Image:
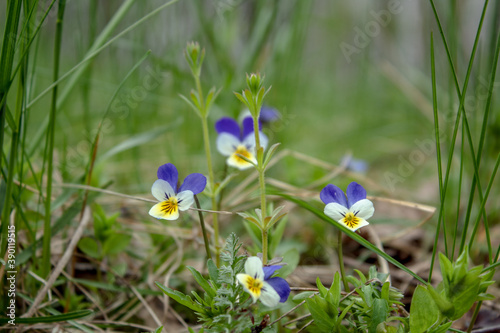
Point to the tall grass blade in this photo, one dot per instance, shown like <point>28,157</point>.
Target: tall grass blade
<point>45,264</point>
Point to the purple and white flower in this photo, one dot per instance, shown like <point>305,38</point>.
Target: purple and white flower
<point>234,141</point>
<point>174,198</point>
<point>259,283</point>
<point>352,211</point>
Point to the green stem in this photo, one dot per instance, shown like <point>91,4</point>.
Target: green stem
<point>262,185</point>
<point>203,229</point>
<point>264,246</point>
<point>50,141</point>
<point>474,316</point>
<point>341,263</point>
<point>206,140</point>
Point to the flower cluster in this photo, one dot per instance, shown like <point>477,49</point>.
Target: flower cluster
<point>352,211</point>
<point>174,198</point>
<point>235,142</point>
<point>259,283</point>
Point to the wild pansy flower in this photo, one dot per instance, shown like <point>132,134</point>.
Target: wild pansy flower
<point>352,211</point>
<point>233,141</point>
<point>267,114</point>
<point>259,283</point>
<point>174,198</point>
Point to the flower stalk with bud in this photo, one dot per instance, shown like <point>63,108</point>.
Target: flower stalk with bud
<point>253,97</point>
<point>201,106</point>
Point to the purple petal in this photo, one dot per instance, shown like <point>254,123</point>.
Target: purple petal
<point>269,270</point>
<point>281,287</point>
<point>168,172</point>
<point>332,193</point>
<point>228,125</point>
<point>355,192</point>
<point>268,114</point>
<point>194,182</point>
<point>248,126</point>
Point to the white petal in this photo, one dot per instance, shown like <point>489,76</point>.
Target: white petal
<point>363,209</point>
<point>268,296</point>
<point>253,267</point>
<point>335,211</point>
<point>243,280</point>
<point>227,143</point>
<point>249,141</point>
<point>185,199</point>
<point>263,140</point>
<point>162,190</point>
<point>158,212</point>
<point>362,223</point>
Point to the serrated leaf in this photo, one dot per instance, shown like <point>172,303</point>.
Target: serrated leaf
<point>180,298</point>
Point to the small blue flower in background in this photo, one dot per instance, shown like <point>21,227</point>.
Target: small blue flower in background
<point>173,198</point>
<point>257,281</point>
<point>354,164</point>
<point>267,114</point>
<point>352,211</point>
<point>233,141</point>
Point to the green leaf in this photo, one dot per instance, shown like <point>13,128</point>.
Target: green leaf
<point>323,321</point>
<point>202,282</point>
<point>291,257</point>
<point>213,272</point>
<point>379,314</point>
<point>322,290</point>
<point>424,312</point>
<point>302,296</point>
<point>116,243</point>
<point>270,154</point>
<point>50,319</point>
<point>193,107</point>
<point>181,298</point>
<point>158,330</point>
<point>441,329</point>
<point>90,247</point>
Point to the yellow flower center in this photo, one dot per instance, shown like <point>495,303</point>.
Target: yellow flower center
<point>351,220</point>
<point>254,285</point>
<point>170,205</point>
<point>242,150</point>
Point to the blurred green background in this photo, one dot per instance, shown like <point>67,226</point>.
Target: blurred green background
<point>349,77</point>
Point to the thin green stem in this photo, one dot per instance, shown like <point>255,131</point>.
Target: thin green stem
<point>474,316</point>
<point>203,229</point>
<point>211,181</point>
<point>50,142</point>
<point>262,185</point>
<point>265,242</point>
<point>341,262</point>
